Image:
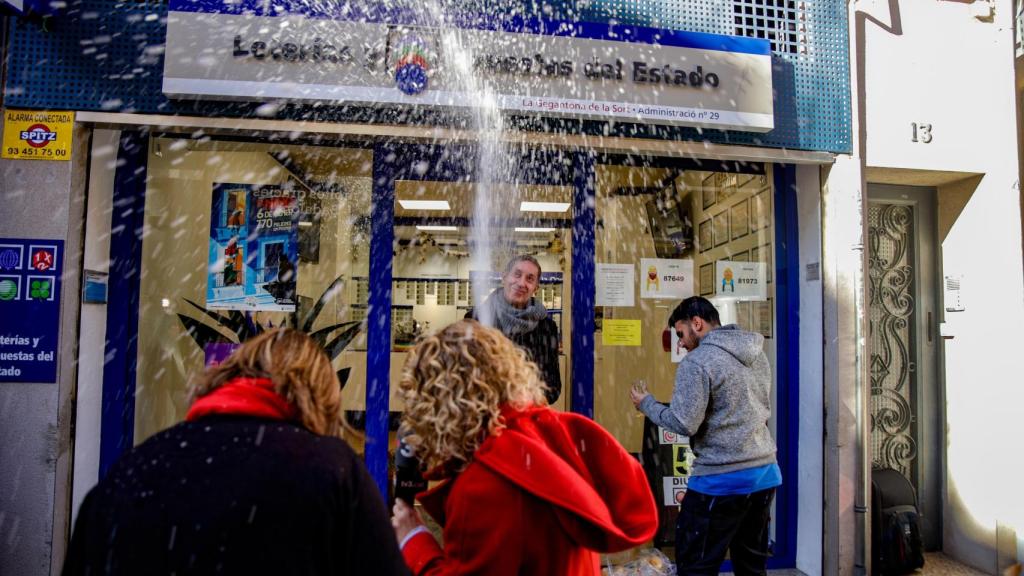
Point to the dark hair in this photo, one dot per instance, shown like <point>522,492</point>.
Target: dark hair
<point>695,307</point>
<point>523,258</point>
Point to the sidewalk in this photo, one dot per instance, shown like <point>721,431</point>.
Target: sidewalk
<point>935,564</point>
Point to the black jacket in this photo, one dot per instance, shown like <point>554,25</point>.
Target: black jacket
<point>235,495</point>
<point>541,345</point>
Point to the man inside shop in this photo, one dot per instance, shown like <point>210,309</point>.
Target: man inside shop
<point>722,401</point>
<point>524,320</point>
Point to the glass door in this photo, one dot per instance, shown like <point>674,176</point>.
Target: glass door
<point>444,265</point>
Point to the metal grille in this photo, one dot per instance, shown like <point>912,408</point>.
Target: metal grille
<point>108,55</point>
<point>891,270</point>
<point>774,20</point>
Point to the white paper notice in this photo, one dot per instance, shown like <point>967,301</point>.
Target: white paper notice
<point>667,279</point>
<point>741,280</point>
<point>615,284</point>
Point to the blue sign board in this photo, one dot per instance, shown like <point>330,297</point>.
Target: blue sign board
<point>30,272</point>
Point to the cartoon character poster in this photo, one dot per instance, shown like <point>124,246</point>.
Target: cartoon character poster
<point>253,248</point>
<point>666,278</point>
<point>741,280</point>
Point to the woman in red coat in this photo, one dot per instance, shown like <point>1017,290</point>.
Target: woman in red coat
<point>525,489</point>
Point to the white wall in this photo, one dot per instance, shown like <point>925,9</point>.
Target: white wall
<point>93,327</point>
<point>935,63</point>
<point>40,200</point>
<point>811,427</point>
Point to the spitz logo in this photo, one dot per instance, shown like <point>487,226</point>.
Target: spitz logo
<point>38,135</point>
<point>412,65</point>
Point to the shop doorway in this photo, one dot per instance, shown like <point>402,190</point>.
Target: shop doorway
<point>444,266</point>
<point>906,388</point>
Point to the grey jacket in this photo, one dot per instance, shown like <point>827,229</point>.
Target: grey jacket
<point>722,401</point>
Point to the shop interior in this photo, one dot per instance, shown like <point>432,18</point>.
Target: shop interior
<point>644,212</point>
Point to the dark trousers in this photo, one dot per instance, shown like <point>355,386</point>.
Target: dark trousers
<point>709,526</point>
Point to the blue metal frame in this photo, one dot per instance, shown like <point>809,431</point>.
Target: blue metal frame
<point>452,163</point>
<point>583,284</point>
<point>787,347</point>
<point>117,422</point>
<point>378,346</point>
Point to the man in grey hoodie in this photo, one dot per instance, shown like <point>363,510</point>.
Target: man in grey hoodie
<point>721,400</point>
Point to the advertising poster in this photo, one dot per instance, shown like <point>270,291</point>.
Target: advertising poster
<point>30,284</point>
<point>253,248</point>
<point>666,279</point>
<point>741,280</point>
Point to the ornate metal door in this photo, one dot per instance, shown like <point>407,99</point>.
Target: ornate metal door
<point>906,397</point>
<point>891,288</point>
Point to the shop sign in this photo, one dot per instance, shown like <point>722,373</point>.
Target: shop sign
<point>663,278</point>
<point>741,280</point>
<point>30,273</point>
<point>313,53</point>
<point>32,135</point>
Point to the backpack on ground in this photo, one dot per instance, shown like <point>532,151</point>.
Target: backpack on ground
<point>896,544</point>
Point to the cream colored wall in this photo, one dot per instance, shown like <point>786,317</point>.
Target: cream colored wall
<point>624,239</point>
<point>937,63</point>
<point>174,260</point>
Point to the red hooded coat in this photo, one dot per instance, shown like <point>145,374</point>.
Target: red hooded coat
<point>542,497</point>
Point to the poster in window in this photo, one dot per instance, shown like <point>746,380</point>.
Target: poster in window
<point>663,278</point>
<point>760,209</point>
<point>705,239</point>
<point>743,314</point>
<point>253,252</point>
<point>721,225</point>
<point>310,211</point>
<point>764,254</point>
<point>740,280</point>
<point>671,225</point>
<point>707,279</point>
<point>761,317</point>
<point>727,186</point>
<point>739,219</point>
<point>708,192</point>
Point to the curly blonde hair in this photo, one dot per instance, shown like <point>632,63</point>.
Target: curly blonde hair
<point>300,370</point>
<point>455,383</point>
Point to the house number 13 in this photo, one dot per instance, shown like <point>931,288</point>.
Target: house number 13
<point>922,132</point>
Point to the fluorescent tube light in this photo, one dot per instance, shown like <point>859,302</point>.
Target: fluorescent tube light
<point>438,228</point>
<point>535,229</point>
<point>544,206</point>
<point>425,204</point>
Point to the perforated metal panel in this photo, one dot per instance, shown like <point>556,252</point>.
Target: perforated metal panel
<point>108,55</point>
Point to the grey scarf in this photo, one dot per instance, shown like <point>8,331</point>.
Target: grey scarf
<point>514,321</point>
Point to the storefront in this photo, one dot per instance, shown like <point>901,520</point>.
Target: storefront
<point>241,195</point>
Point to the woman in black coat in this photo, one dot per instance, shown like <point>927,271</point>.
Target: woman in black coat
<point>514,311</point>
<point>256,481</point>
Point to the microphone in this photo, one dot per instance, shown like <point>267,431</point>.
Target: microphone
<point>408,480</point>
